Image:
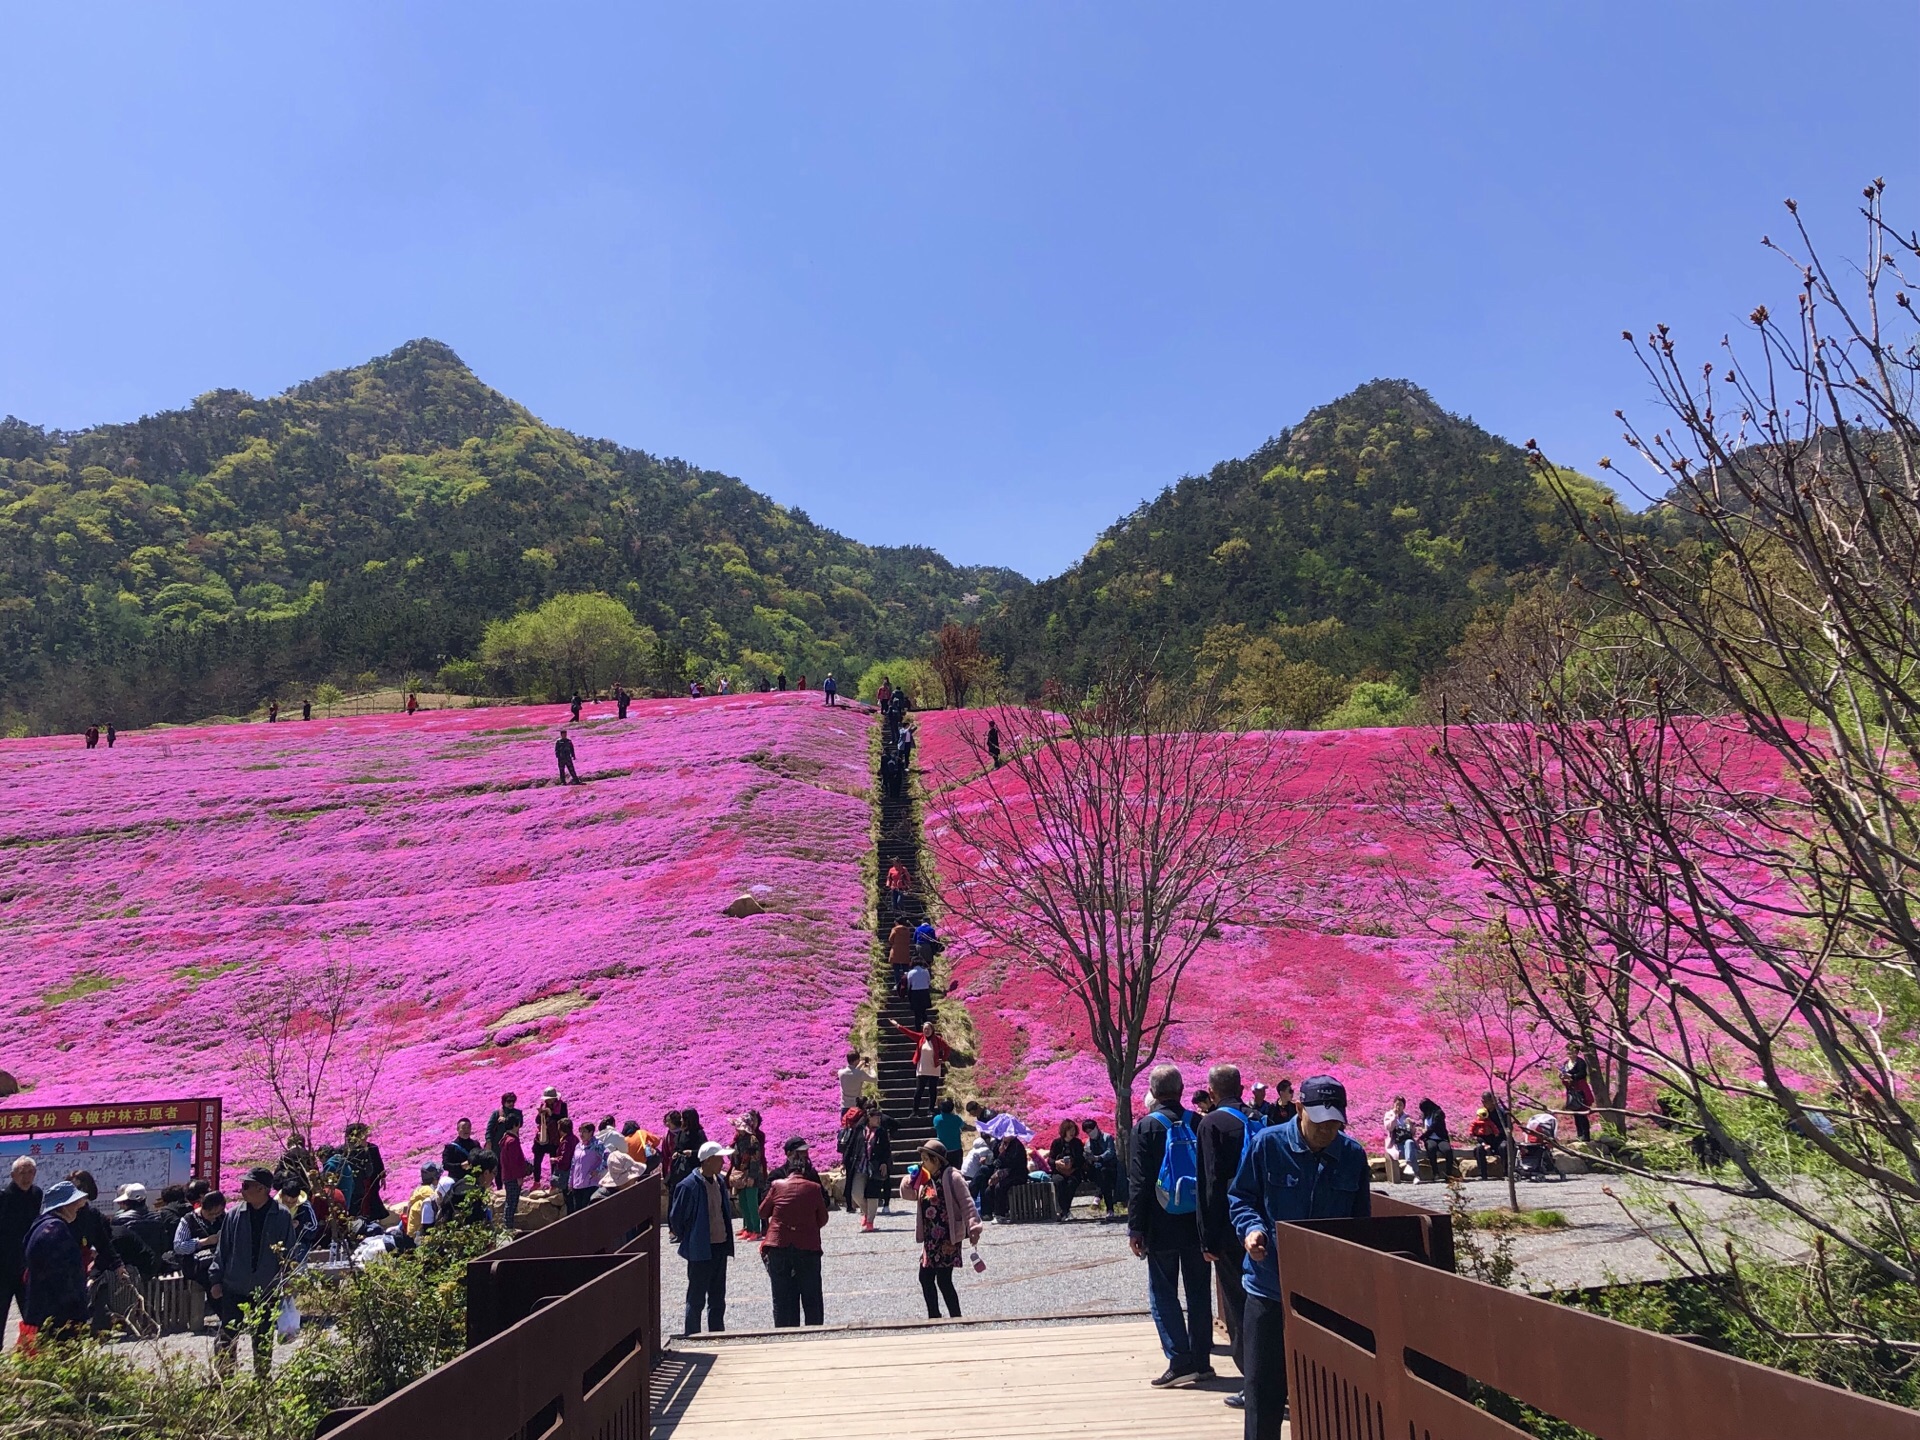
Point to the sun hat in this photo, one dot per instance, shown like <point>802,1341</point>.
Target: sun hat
<point>552,1092</point>
<point>131,1192</point>
<point>934,1147</point>
<point>713,1148</point>
<point>65,1192</point>
<point>1323,1098</point>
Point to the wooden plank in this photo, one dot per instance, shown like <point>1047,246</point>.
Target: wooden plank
<point>1089,1380</point>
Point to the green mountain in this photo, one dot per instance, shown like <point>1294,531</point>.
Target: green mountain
<point>375,519</point>
<point>1361,542</point>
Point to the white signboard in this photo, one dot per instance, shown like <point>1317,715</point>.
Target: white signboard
<point>155,1158</point>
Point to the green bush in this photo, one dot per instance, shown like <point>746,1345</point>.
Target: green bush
<point>922,685</point>
<point>1370,704</point>
<point>463,677</point>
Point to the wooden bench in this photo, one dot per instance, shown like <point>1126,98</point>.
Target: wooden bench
<point>1030,1202</point>
<point>164,1305</point>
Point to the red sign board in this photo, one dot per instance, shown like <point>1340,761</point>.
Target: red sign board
<point>201,1116</point>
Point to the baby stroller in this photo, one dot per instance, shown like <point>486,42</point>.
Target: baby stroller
<point>1533,1158</point>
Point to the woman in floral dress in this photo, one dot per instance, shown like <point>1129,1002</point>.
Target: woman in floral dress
<point>946,1219</point>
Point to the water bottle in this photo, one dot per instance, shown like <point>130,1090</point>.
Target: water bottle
<point>979,1265</point>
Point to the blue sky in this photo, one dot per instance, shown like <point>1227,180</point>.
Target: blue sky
<point>978,276</point>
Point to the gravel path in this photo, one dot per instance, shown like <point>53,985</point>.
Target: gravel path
<point>1600,1244</point>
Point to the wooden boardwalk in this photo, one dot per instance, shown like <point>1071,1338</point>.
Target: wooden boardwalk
<point>957,1383</point>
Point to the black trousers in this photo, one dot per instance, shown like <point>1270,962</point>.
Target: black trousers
<point>921,1002</point>
<point>1233,1293</point>
<point>942,1276</point>
<point>929,1086</point>
<point>1263,1344</point>
<point>1064,1187</point>
<point>567,770</point>
<point>259,1324</point>
<point>795,1277</point>
<point>707,1290</point>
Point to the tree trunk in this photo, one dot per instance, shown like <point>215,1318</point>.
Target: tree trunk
<point>1122,1129</point>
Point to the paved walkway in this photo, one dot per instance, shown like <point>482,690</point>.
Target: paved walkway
<point>954,1383</point>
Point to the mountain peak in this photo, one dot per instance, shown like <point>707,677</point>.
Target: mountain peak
<point>421,395</point>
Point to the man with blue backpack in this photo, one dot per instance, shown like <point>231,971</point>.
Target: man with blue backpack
<point>1305,1168</point>
<point>1163,1202</point>
<point>1225,1134</point>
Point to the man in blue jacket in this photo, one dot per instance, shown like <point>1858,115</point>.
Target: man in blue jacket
<point>1303,1169</point>
<point>700,1221</point>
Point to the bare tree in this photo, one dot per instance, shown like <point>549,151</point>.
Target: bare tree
<point>307,1051</point>
<point>1488,1022</point>
<point>1115,837</point>
<point>1760,833</point>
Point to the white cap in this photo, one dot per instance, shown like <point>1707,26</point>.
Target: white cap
<point>713,1148</point>
<point>131,1191</point>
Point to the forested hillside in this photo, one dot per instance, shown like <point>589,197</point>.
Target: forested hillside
<point>1358,544</point>
<point>374,520</point>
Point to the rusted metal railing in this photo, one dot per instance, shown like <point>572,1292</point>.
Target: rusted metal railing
<point>579,1366</point>
<point>1381,1346</point>
<point>563,1328</point>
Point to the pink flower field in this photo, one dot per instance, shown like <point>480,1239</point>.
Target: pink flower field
<point>1341,990</point>
<point>152,888</point>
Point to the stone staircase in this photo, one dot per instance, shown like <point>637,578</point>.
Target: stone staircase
<point>899,840</point>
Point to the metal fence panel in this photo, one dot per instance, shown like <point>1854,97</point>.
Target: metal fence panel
<point>579,1367</point>
<point>1382,1346</point>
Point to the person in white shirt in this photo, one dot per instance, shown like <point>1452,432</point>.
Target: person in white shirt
<point>854,1079</point>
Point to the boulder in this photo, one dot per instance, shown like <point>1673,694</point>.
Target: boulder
<point>744,906</point>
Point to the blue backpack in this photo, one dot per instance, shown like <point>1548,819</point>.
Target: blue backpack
<point>1177,1187</point>
<point>1250,1130</point>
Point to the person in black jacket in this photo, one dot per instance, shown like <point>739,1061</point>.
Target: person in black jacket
<point>1222,1134</point>
<point>143,1239</point>
<point>1170,1244</point>
<point>457,1154</point>
<point>95,1233</point>
<point>563,753</point>
<point>256,1243</point>
<point>19,1208</point>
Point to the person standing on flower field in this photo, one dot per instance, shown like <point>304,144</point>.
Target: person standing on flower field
<point>112,734</point>
<point>588,1164</point>
<point>458,1152</point>
<point>1304,1169</point>
<point>563,753</point>
<point>508,1116</point>
<point>514,1167</point>
<point>368,1170</point>
<point>700,1223</point>
<point>546,1130</point>
<point>413,703</point>
<point>576,707</point>
<point>993,743</point>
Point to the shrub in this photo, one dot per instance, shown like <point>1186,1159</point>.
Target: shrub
<point>463,677</point>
